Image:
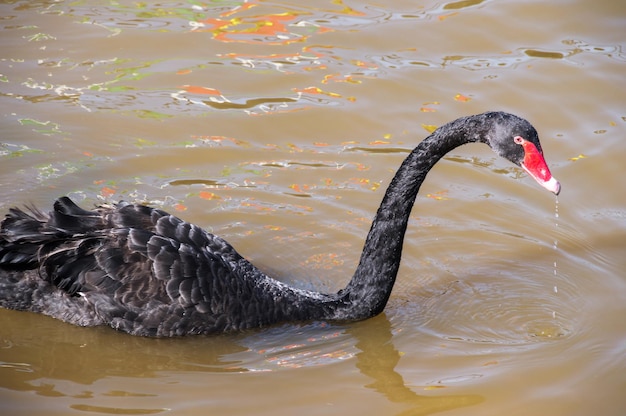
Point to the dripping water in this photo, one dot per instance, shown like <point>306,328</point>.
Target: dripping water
<point>556,246</point>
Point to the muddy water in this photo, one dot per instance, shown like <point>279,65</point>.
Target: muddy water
<point>278,126</point>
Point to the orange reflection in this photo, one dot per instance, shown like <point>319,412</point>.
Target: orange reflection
<point>236,25</point>
<point>268,29</point>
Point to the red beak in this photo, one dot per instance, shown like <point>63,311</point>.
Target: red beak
<point>536,166</point>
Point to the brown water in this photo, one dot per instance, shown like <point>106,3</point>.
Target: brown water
<point>278,126</point>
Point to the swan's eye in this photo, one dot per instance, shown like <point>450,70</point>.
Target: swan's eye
<point>518,139</point>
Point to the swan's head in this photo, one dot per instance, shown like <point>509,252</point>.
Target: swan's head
<point>516,139</point>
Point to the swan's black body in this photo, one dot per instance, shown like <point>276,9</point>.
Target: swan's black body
<point>146,272</point>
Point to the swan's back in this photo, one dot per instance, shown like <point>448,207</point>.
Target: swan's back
<point>136,268</point>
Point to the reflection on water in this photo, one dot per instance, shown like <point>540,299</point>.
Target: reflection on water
<point>377,360</point>
<point>84,356</point>
<point>278,125</point>
<point>112,83</point>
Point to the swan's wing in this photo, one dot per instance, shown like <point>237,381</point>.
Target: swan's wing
<point>148,284</point>
<point>138,262</point>
<point>134,254</point>
<point>129,260</point>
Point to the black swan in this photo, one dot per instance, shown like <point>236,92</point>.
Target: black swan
<point>146,272</point>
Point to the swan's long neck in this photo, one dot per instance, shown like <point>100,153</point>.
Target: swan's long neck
<point>368,291</point>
